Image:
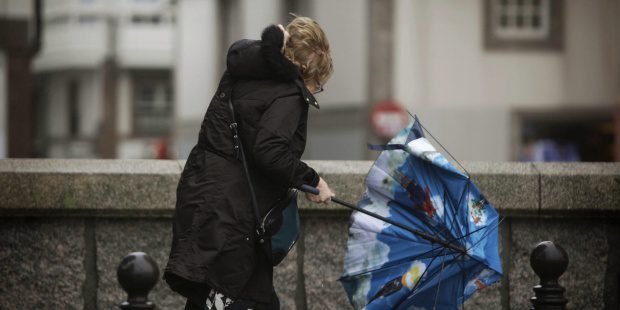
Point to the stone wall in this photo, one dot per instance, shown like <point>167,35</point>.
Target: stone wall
<point>65,225</point>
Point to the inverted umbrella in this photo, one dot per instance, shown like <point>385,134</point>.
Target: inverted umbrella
<point>423,236</point>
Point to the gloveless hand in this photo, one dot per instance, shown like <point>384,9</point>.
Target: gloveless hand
<point>325,193</point>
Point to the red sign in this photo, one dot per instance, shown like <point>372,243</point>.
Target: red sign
<point>388,118</point>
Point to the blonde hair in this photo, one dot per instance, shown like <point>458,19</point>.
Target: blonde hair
<point>308,48</point>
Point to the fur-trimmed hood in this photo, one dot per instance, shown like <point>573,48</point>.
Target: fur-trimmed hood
<point>263,60</point>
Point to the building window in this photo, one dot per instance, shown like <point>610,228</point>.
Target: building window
<point>73,94</point>
<point>523,24</point>
<point>58,20</point>
<point>146,19</point>
<point>152,105</point>
<point>565,134</point>
<point>87,19</point>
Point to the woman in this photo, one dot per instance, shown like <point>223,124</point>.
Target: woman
<point>215,259</point>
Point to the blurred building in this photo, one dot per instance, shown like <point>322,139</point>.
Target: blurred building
<point>104,78</point>
<point>493,80</point>
<point>490,76</point>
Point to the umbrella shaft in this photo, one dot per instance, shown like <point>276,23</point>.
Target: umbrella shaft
<point>418,233</point>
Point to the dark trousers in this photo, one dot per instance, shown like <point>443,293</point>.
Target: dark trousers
<point>199,303</point>
<point>197,293</point>
<point>196,304</point>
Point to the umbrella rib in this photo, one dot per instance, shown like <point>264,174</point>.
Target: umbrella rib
<point>428,252</point>
<point>444,203</point>
<point>454,261</point>
<point>431,275</point>
<point>448,236</point>
<point>445,212</point>
<point>409,163</point>
<point>418,233</point>
<point>421,276</point>
<point>443,260</point>
<point>442,232</point>
<point>441,145</point>
<point>394,235</point>
<point>397,263</point>
<point>467,250</point>
<point>461,254</point>
<point>467,190</point>
<point>417,283</point>
<point>463,278</point>
<point>428,225</point>
<point>471,233</point>
<point>389,234</point>
<point>454,215</point>
<point>458,207</point>
<point>496,226</point>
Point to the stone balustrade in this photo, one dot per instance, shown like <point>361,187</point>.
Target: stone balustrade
<point>65,225</point>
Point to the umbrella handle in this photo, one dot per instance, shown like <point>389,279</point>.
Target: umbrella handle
<point>309,189</point>
<point>315,191</point>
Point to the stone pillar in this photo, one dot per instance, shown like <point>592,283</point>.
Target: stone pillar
<point>610,24</point>
<point>15,42</point>
<point>381,41</point>
<point>3,108</point>
<point>197,69</point>
<point>108,137</point>
<point>617,130</point>
<point>411,53</point>
<point>613,9</point>
<point>380,56</point>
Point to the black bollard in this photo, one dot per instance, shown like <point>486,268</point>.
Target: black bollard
<point>549,261</point>
<point>137,274</point>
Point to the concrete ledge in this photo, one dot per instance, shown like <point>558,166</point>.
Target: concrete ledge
<point>58,236</point>
<point>577,187</point>
<point>110,188</point>
<point>88,187</point>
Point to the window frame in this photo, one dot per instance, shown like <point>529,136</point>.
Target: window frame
<point>162,79</point>
<point>553,42</point>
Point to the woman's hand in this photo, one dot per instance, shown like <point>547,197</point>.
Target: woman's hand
<point>325,193</point>
<point>286,36</point>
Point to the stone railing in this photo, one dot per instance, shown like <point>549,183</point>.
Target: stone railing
<point>66,224</point>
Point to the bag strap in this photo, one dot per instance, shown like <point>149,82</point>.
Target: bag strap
<point>260,229</point>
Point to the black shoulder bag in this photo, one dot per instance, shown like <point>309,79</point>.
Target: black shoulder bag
<point>278,230</point>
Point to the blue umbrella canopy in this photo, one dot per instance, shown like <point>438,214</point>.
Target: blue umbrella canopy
<point>424,236</point>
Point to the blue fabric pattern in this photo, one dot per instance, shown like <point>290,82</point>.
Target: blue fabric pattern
<point>387,267</point>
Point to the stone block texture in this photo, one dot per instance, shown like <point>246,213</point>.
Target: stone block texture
<point>582,187</point>
<point>325,241</point>
<point>285,277</point>
<point>115,238</point>
<point>42,263</point>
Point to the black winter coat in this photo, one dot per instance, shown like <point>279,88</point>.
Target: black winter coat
<point>214,225</point>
